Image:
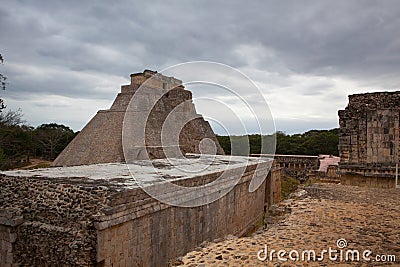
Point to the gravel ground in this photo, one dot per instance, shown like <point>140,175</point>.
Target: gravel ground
<point>315,218</point>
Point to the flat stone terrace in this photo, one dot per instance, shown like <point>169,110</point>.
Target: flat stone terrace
<point>69,214</point>
<point>120,173</point>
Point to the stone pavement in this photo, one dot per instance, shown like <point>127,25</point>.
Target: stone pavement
<point>315,219</point>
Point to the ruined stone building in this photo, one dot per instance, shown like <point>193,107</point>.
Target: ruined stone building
<point>101,140</point>
<point>328,168</point>
<point>98,208</point>
<point>300,167</point>
<point>369,139</point>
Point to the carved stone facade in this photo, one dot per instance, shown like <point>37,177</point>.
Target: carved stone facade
<point>369,138</point>
<point>299,166</point>
<point>101,140</point>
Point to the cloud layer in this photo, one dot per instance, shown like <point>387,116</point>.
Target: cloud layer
<point>66,59</point>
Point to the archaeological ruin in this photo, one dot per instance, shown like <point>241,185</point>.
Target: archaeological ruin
<point>101,141</point>
<point>369,139</point>
<point>299,166</point>
<point>121,194</point>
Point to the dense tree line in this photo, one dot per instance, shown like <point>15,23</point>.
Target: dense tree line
<point>313,142</point>
<point>19,142</point>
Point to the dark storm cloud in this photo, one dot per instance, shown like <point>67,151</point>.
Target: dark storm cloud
<point>86,49</point>
<point>320,37</point>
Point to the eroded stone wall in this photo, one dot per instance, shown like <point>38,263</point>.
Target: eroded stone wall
<point>49,221</point>
<point>273,186</point>
<point>158,233</point>
<point>7,240</point>
<point>298,166</point>
<point>367,181</point>
<point>369,135</point>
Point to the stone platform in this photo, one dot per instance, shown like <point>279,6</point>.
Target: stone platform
<point>99,214</point>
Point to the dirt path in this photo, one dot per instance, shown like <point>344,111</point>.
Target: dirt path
<point>365,219</point>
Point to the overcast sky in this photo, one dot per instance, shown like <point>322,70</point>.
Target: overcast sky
<point>67,59</point>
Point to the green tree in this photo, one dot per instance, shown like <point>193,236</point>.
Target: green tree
<point>52,138</point>
<point>313,142</point>
<point>225,143</point>
<point>16,145</point>
<point>322,143</point>
<point>12,118</point>
<point>19,142</point>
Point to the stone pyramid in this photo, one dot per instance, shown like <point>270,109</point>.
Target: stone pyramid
<point>103,139</point>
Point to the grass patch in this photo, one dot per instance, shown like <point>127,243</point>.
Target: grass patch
<point>310,181</point>
<point>288,185</point>
<point>40,166</point>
